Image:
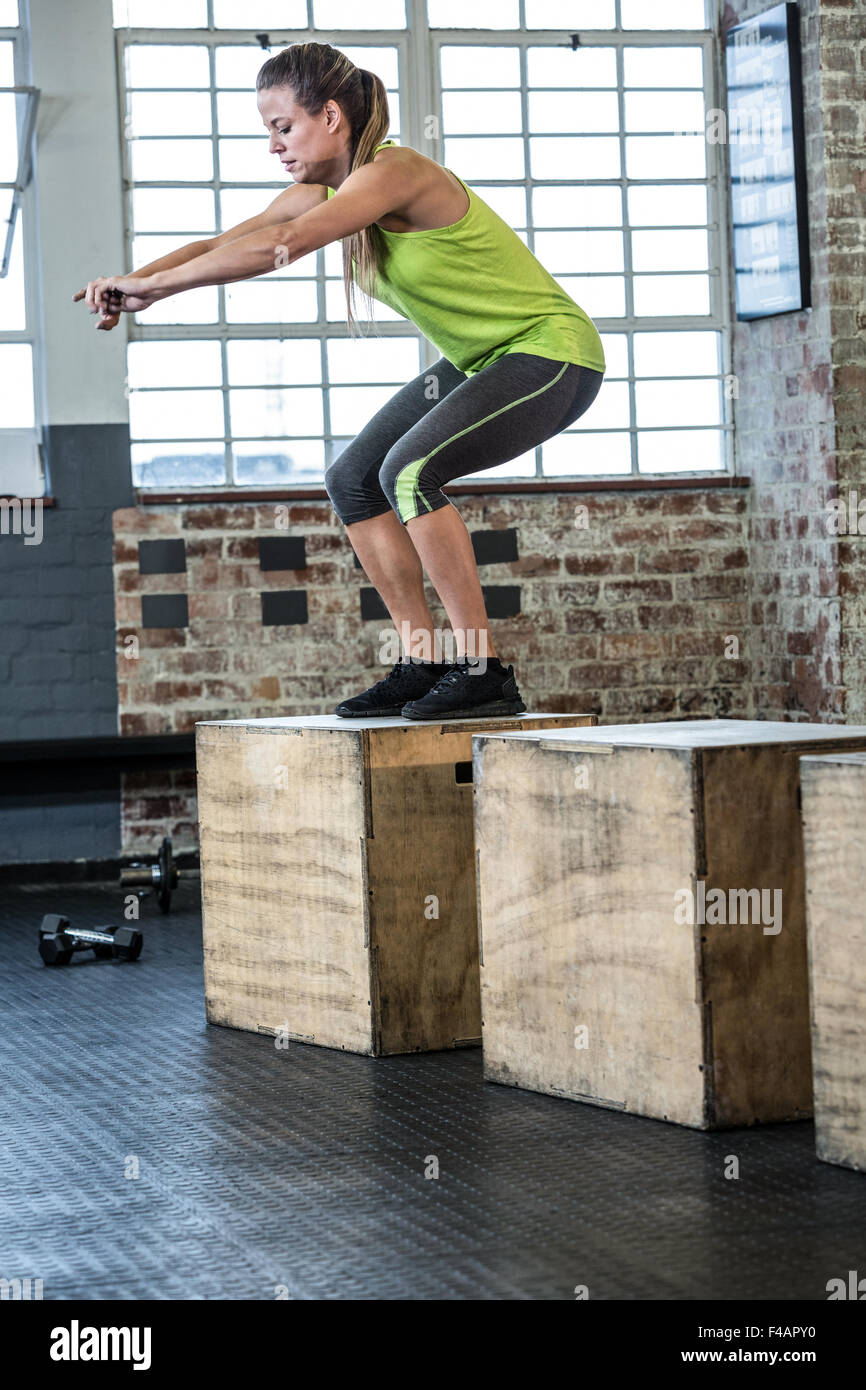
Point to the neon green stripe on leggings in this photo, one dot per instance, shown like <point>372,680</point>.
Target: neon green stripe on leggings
<point>406,488</point>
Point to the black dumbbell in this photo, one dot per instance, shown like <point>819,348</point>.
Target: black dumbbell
<point>58,941</point>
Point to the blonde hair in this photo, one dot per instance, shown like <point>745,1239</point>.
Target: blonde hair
<point>317,73</point>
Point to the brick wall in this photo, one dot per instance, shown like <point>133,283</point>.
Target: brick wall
<point>843,82</point>
<point>626,617</point>
<point>798,417</point>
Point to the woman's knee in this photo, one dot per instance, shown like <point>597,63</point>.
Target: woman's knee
<point>409,493</point>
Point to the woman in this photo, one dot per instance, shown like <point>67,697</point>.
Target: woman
<point>521,360</point>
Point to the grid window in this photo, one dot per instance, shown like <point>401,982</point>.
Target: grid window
<point>21,471</point>
<point>196,164</point>
<point>595,155</point>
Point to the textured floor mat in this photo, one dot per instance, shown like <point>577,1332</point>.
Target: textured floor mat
<point>304,1169</point>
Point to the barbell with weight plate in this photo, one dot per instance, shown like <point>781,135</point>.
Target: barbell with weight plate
<point>162,877</point>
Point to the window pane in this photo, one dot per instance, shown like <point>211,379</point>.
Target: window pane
<point>12,307</point>
<point>473,14</point>
<point>579,455</point>
<point>670,354</point>
<point>9,13</point>
<point>663,14</point>
<point>577,207</point>
<point>7,59</point>
<point>561,14</point>
<point>609,410</point>
<point>292,461</point>
<point>175,414</point>
<point>238,114</point>
<point>147,249</point>
<point>273,362</point>
<point>557,67</point>
<point>160,14</point>
<point>663,67</point>
<point>174,364</point>
<point>173,160</point>
<point>578,111</point>
<point>245,14</point>
<point>560,156</point>
<point>240,204</point>
<point>668,204</point>
<point>677,403</point>
<point>249,161</point>
<point>8,140</point>
<point>460,67</point>
<point>278,301</point>
<point>333,255</point>
<point>602,296</point>
<point>199,463</point>
<point>494,158</point>
<point>335,307</point>
<point>498,112</point>
<point>187,113</point>
<point>239,66</point>
<point>679,111</point>
<point>656,156</point>
<point>16,374</point>
<point>167,65</point>
<point>680,451</point>
<point>347,14</point>
<point>174,210</point>
<point>508,203</point>
<point>671,294</point>
<point>670,251</point>
<point>289,412</point>
<point>353,406</point>
<point>615,355</point>
<point>191,306</point>
<point>394,360</point>
<point>562,252</point>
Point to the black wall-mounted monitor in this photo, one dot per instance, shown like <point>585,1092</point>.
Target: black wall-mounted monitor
<point>768,164</point>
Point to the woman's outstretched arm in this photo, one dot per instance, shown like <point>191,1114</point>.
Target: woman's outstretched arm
<point>290,203</point>
<point>369,193</point>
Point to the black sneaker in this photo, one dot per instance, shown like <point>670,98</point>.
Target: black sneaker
<point>467,693</point>
<point>406,681</point>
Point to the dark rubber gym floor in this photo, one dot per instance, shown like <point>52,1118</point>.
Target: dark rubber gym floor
<point>305,1168</point>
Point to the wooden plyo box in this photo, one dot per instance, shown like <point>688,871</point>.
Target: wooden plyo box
<point>834,841</point>
<point>591,846</point>
<point>338,878</point>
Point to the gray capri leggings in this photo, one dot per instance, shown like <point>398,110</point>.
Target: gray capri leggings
<point>444,424</point>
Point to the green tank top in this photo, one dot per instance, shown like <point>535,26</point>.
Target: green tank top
<point>477,292</point>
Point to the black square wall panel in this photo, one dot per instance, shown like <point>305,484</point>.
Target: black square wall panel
<point>501,600</point>
<point>372,606</point>
<point>161,557</point>
<point>282,553</point>
<point>284,608</point>
<point>493,546</point>
<point>164,610</point>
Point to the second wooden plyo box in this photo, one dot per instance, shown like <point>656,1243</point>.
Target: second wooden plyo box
<point>594,847</point>
<point>834,841</point>
<point>338,884</point>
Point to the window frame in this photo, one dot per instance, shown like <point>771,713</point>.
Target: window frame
<point>418,48</point>
<point>19,36</point>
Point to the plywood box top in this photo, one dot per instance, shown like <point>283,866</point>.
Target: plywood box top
<point>692,733</point>
<point>334,721</point>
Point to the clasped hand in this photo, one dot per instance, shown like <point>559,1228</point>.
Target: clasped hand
<point>111,295</point>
